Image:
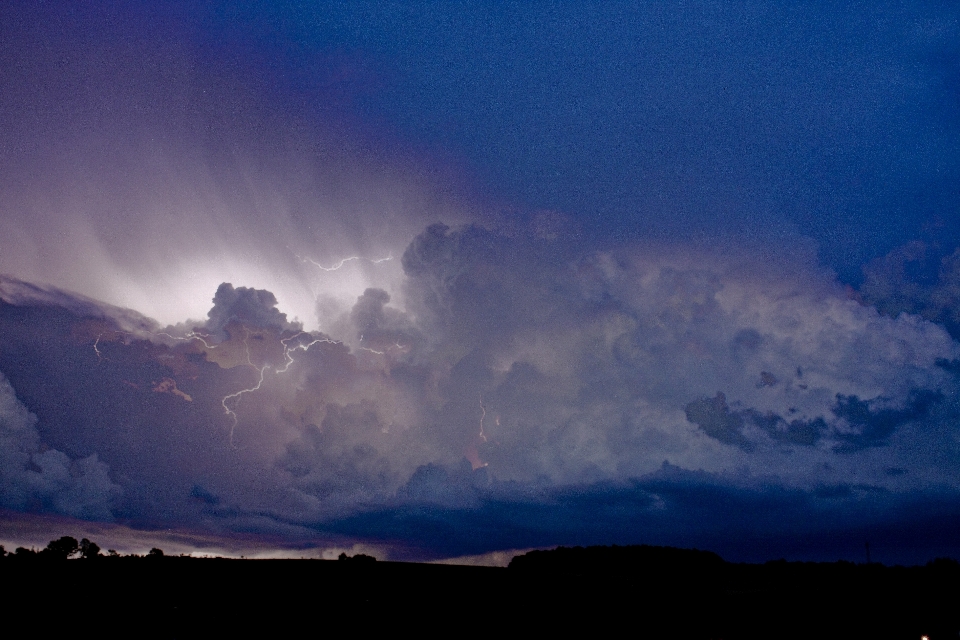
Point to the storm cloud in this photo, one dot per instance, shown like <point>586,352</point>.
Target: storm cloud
<point>520,369</point>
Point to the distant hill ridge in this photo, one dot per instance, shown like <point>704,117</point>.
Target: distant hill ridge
<point>616,559</point>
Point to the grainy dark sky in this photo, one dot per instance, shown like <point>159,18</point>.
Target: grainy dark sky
<point>837,123</point>
<point>696,280</point>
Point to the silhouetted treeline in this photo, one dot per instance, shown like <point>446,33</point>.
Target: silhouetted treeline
<point>59,549</point>
<point>645,591</point>
<point>777,599</point>
<point>67,548</point>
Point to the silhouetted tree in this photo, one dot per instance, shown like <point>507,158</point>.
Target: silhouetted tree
<point>62,548</point>
<point>155,553</point>
<point>23,552</point>
<point>89,550</point>
<point>360,557</point>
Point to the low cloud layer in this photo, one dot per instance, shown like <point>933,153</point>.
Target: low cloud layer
<point>35,477</point>
<point>521,383</point>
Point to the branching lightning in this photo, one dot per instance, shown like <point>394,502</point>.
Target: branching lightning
<point>237,395</point>
<point>96,343</point>
<point>288,360</point>
<point>240,393</point>
<point>288,350</point>
<point>395,345</point>
<point>339,265</point>
<point>193,335</point>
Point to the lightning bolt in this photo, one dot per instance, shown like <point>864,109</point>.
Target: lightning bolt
<point>288,350</point>
<point>483,414</point>
<point>96,343</point>
<point>339,265</point>
<point>396,345</point>
<point>471,453</point>
<point>193,335</point>
<point>230,412</point>
<point>288,360</point>
<point>96,350</point>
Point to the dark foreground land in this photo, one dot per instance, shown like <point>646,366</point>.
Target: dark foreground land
<point>645,592</point>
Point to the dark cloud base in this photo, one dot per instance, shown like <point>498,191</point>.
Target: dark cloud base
<point>690,510</point>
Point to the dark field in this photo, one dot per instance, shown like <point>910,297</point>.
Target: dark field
<point>626,591</point>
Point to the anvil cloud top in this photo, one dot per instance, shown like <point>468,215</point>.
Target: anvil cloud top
<point>451,279</point>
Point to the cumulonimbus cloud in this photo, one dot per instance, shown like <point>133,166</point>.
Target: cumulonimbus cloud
<point>519,369</point>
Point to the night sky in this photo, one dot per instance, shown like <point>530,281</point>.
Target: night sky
<point>435,280</point>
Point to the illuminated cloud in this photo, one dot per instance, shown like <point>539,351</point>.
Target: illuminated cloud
<point>521,371</point>
<point>144,170</point>
<point>249,307</point>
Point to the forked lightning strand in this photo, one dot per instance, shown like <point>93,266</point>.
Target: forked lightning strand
<point>287,350</point>
<point>288,360</point>
<point>193,335</point>
<point>300,347</point>
<point>396,345</point>
<point>340,264</point>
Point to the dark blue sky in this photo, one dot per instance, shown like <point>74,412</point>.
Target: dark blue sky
<point>678,119</point>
